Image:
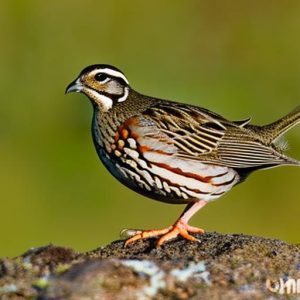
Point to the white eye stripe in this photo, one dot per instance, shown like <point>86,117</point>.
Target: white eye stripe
<point>111,72</point>
<point>105,80</point>
<point>124,97</point>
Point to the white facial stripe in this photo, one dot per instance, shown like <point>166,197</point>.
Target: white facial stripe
<point>104,81</point>
<point>100,99</point>
<point>124,97</point>
<point>111,72</point>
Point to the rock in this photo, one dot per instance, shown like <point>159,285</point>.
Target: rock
<point>219,266</point>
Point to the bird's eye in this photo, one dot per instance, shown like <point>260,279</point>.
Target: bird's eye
<point>101,77</point>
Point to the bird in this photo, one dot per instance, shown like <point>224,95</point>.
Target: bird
<point>174,152</point>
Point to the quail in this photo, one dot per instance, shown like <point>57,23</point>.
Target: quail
<point>174,152</point>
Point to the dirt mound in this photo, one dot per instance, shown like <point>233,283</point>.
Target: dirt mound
<point>228,266</point>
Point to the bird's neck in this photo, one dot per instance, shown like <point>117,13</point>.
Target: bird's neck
<point>106,123</point>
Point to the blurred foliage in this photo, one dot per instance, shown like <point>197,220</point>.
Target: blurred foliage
<point>238,58</point>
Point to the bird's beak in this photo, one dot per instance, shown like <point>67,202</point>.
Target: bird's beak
<point>74,86</point>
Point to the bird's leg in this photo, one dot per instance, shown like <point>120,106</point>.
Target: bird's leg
<point>180,227</point>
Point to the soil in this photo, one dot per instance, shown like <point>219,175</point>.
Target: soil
<point>219,266</point>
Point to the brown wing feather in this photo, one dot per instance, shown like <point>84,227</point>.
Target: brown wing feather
<point>194,132</point>
<point>199,134</point>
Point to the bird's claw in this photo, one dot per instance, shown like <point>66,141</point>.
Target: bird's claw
<point>179,228</point>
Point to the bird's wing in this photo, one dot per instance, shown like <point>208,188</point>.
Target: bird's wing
<point>194,134</point>
<point>243,148</point>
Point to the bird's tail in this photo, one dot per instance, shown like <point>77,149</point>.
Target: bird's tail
<point>275,130</point>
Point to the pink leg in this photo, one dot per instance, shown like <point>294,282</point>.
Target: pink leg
<point>191,209</point>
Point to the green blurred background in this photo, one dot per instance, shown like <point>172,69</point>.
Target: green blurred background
<point>238,58</point>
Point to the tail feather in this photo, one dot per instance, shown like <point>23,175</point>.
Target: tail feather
<point>275,130</point>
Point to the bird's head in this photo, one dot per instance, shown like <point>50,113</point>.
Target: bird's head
<point>104,85</point>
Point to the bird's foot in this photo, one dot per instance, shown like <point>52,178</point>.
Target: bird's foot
<point>179,228</point>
